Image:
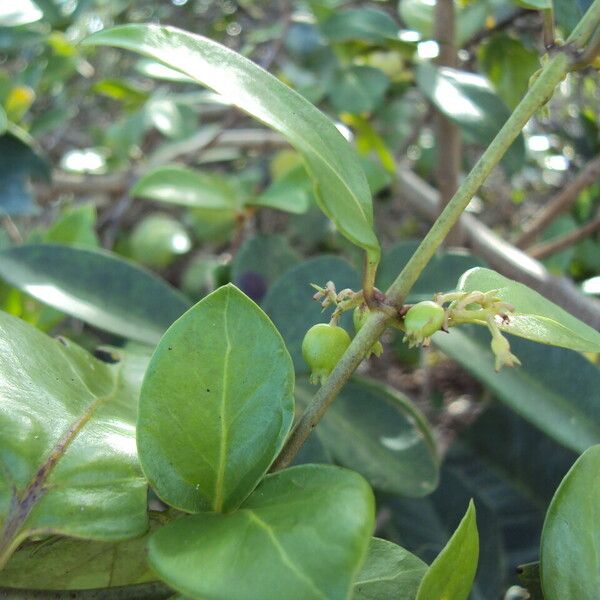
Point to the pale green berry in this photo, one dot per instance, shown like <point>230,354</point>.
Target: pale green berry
<point>322,347</point>
<point>422,321</point>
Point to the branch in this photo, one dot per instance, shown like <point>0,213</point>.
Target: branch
<point>559,203</point>
<point>539,93</point>
<point>115,183</point>
<point>500,254</point>
<point>448,133</point>
<point>564,241</point>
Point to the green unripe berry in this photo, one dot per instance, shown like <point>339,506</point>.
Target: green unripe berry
<point>359,318</point>
<point>322,347</point>
<point>158,239</point>
<point>422,321</point>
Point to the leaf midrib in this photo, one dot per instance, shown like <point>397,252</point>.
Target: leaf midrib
<point>21,507</point>
<point>285,558</point>
<point>219,485</point>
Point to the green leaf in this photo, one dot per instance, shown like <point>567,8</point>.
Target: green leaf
<point>222,369</point>
<point>59,563</point>
<point>259,261</point>
<point>389,573</point>
<point>95,286</point>
<point>185,187</point>
<point>569,12</point>
<point>424,525</point>
<point>378,432</point>
<point>535,318</point>
<point>76,226</point>
<point>452,573</point>
<point>440,274</point>
<point>468,100</point>
<point>169,118</point>
<point>78,473</point>
<point>358,89</point>
<point>569,563</point>
<point>361,24</point>
<point>304,531</point>
<point>563,407</point>
<point>20,12</point>
<point>535,4</point>
<point>290,304</point>
<point>342,189</point>
<point>290,193</point>
<point>19,163</point>
<point>509,65</point>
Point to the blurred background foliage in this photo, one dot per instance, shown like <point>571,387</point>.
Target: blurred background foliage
<point>120,180</point>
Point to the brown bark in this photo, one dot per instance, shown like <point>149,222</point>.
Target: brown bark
<point>447,133</point>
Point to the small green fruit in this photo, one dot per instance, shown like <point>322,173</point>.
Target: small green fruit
<point>422,321</point>
<point>322,347</point>
<point>157,240</point>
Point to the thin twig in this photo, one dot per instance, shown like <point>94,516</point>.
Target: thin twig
<point>11,229</point>
<point>544,249</point>
<point>500,254</point>
<point>559,203</point>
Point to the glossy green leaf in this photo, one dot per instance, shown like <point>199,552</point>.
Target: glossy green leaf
<point>19,163</point>
<point>78,473</point>
<point>440,274</point>
<point>95,286</point>
<point>342,189</point>
<point>363,24</point>
<point>469,100</point>
<point>302,535</point>
<point>569,562</point>
<point>390,573</point>
<point>290,193</point>
<point>260,261</point>
<point>19,12</point>
<point>378,432</point>
<point>565,408</point>
<point>452,573</point>
<point>185,187</point>
<point>509,65</point>
<point>289,301</point>
<point>358,89</point>
<point>59,563</point>
<point>216,404</point>
<point>535,318</point>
